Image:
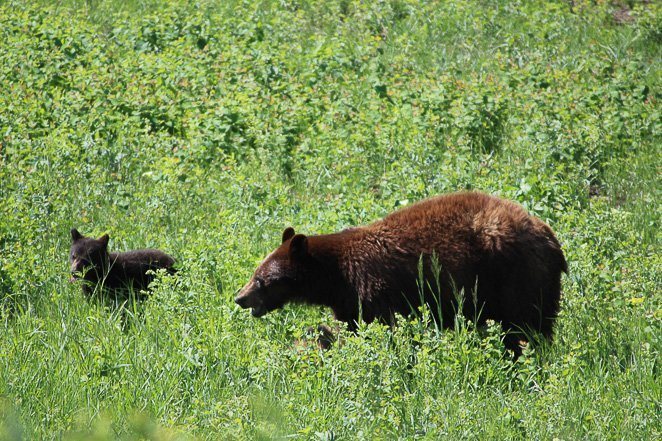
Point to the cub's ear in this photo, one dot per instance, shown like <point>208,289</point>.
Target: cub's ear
<point>104,240</point>
<point>288,233</point>
<point>75,235</point>
<point>298,246</point>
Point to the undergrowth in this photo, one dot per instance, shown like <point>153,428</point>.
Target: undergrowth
<point>205,128</point>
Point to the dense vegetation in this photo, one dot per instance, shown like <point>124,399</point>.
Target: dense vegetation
<point>206,128</point>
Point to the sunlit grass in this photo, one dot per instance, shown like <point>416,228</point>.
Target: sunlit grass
<point>205,129</point>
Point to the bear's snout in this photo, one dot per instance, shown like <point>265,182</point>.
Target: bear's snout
<point>248,298</point>
<point>77,268</point>
<point>242,301</point>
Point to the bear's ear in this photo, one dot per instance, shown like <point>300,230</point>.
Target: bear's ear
<point>75,235</point>
<point>104,240</point>
<point>298,246</point>
<point>287,233</point>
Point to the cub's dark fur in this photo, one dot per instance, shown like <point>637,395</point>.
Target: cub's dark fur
<point>119,273</point>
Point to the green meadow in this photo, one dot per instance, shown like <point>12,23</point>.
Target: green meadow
<point>206,128</point>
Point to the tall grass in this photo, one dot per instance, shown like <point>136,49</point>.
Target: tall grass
<point>206,128</point>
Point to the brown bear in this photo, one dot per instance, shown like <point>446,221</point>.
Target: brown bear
<point>505,263</point>
<point>119,273</point>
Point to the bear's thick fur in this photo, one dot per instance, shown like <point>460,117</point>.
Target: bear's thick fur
<point>506,263</point>
<point>118,273</point>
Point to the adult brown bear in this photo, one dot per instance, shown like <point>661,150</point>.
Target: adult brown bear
<point>507,264</point>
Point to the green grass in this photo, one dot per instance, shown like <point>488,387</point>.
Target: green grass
<point>206,128</point>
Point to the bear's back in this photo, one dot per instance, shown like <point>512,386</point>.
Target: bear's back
<point>460,224</point>
<point>131,268</point>
<point>146,256</point>
<point>457,208</point>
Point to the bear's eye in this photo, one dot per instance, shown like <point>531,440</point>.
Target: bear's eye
<point>82,259</point>
<point>259,282</point>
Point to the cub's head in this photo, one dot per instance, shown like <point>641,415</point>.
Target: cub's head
<point>87,254</point>
<point>278,280</point>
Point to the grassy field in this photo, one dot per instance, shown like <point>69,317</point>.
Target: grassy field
<point>206,128</point>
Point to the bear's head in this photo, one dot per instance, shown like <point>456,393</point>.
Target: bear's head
<point>87,254</point>
<point>279,278</point>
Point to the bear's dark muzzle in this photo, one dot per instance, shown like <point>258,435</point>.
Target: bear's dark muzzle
<point>242,301</point>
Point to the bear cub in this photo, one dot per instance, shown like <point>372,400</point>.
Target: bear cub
<point>479,255</point>
<point>118,273</point>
